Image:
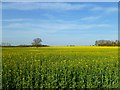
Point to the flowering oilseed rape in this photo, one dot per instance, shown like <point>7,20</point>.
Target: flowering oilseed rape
<point>60,67</point>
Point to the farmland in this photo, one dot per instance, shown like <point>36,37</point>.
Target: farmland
<point>60,67</point>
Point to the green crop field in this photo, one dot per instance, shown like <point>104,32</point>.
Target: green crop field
<point>60,67</point>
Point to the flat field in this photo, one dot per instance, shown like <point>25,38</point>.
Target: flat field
<point>60,67</point>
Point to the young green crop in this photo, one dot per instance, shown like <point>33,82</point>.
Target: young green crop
<point>60,67</point>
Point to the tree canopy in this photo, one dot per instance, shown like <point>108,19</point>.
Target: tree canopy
<point>36,42</point>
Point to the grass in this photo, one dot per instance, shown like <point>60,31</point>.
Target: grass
<point>60,67</point>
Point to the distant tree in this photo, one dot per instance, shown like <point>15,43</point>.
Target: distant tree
<point>96,43</point>
<point>107,43</point>
<point>72,45</point>
<point>116,43</point>
<point>37,42</point>
<point>5,44</point>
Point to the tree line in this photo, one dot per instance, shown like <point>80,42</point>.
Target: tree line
<point>37,43</point>
<point>107,43</point>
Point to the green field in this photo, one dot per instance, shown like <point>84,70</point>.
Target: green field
<point>60,67</point>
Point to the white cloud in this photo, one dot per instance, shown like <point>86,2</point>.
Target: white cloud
<point>16,20</point>
<point>96,8</point>
<point>112,9</point>
<point>105,9</point>
<point>53,27</point>
<point>90,18</point>
<point>43,6</point>
<point>56,6</point>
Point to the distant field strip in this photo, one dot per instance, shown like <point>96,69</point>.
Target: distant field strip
<point>60,67</point>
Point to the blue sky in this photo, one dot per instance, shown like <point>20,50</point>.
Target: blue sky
<point>59,23</point>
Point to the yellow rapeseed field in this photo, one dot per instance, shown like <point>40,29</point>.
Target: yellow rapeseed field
<point>60,67</point>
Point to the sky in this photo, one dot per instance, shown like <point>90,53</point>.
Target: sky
<point>60,0</point>
<point>59,24</point>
